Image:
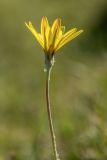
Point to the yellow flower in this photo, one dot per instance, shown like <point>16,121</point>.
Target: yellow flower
<point>52,38</point>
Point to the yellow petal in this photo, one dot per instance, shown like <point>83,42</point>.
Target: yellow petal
<point>55,24</point>
<point>48,36</point>
<point>56,28</point>
<point>44,24</point>
<point>58,39</point>
<point>34,32</point>
<point>45,31</point>
<point>55,32</point>
<point>70,32</point>
<point>68,38</point>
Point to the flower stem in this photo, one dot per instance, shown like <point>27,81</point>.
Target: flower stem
<point>50,115</point>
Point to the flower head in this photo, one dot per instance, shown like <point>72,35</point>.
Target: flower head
<point>52,38</point>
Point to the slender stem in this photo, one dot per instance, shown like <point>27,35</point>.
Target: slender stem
<point>50,115</point>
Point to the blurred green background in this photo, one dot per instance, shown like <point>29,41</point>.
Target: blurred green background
<point>78,82</point>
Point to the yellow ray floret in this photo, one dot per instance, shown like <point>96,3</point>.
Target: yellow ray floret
<point>52,38</point>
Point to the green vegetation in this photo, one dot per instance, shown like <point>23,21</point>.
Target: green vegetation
<point>78,82</point>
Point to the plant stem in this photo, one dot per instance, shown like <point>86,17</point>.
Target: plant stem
<point>50,115</point>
